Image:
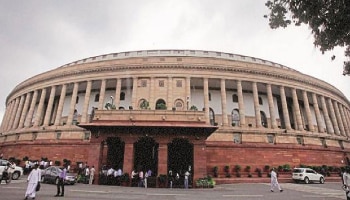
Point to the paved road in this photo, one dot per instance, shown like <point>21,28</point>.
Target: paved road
<point>259,191</point>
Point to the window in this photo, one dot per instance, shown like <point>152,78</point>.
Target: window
<point>271,138</point>
<point>212,117</point>
<point>235,117</point>
<point>300,140</point>
<point>209,95</point>
<point>160,104</point>
<point>143,83</point>
<point>97,97</point>
<point>235,98</point>
<point>161,83</point>
<point>263,119</point>
<point>260,101</point>
<point>86,135</point>
<point>122,96</point>
<point>237,138</point>
<point>77,100</point>
<point>179,83</point>
<point>341,144</point>
<point>58,135</point>
<point>162,59</point>
<point>179,104</point>
<point>323,142</point>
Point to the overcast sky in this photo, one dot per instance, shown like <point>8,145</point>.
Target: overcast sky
<point>37,36</point>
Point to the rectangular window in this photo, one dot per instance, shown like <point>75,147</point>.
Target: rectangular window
<point>143,83</point>
<point>271,138</point>
<point>300,140</point>
<point>161,83</point>
<point>341,144</point>
<point>323,142</point>
<point>179,83</point>
<point>86,135</point>
<point>58,135</point>
<point>237,138</point>
<point>162,59</point>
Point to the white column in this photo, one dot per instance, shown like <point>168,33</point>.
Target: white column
<point>271,106</point>
<point>256,105</point>
<point>206,99</point>
<point>84,115</point>
<point>49,106</point>
<point>308,111</point>
<point>73,102</point>
<point>223,103</point>
<point>285,108</point>
<point>241,104</point>
<point>102,94</point>
<point>39,111</point>
<point>28,121</point>
<point>60,105</point>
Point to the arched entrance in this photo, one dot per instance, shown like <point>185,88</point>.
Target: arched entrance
<point>115,152</point>
<point>180,159</point>
<point>146,155</point>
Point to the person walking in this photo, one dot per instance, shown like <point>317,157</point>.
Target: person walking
<point>60,183</point>
<point>187,174</point>
<point>92,173</point>
<point>11,170</point>
<point>274,181</point>
<point>346,182</point>
<point>33,180</point>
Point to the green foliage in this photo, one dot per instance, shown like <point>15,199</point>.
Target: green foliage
<point>125,178</point>
<point>227,168</point>
<point>57,163</point>
<point>144,104</point>
<point>110,106</point>
<point>329,22</point>
<point>162,178</point>
<point>237,168</point>
<point>161,106</point>
<point>206,182</point>
<point>193,107</point>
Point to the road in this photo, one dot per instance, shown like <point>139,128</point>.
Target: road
<point>257,191</point>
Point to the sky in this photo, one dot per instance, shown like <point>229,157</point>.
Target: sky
<point>41,35</point>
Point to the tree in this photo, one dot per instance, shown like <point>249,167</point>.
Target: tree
<point>329,21</point>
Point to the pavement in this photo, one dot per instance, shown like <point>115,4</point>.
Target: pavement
<point>239,191</point>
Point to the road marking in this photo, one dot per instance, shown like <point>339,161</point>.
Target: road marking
<point>93,191</point>
<point>163,194</point>
<point>315,192</point>
<point>242,195</point>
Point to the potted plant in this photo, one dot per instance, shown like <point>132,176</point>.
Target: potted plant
<point>162,179</point>
<point>227,171</point>
<point>238,170</point>
<point>258,170</point>
<point>215,171</point>
<point>125,179</point>
<point>194,108</point>
<point>144,104</point>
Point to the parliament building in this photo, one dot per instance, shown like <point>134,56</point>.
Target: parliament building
<point>179,110</point>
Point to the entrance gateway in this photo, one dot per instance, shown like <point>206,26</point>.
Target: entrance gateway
<point>158,146</point>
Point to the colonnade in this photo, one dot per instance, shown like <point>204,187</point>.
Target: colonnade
<point>331,115</point>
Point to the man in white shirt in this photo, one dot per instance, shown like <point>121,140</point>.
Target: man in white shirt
<point>187,174</point>
<point>92,173</point>
<point>346,182</point>
<point>11,170</point>
<point>274,181</point>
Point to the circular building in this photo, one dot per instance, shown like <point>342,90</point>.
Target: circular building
<point>178,110</point>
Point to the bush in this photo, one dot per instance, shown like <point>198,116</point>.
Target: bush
<point>206,182</point>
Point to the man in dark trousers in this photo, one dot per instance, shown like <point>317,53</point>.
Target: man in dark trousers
<point>60,184</point>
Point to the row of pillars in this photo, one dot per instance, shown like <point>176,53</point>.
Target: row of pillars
<point>20,111</point>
